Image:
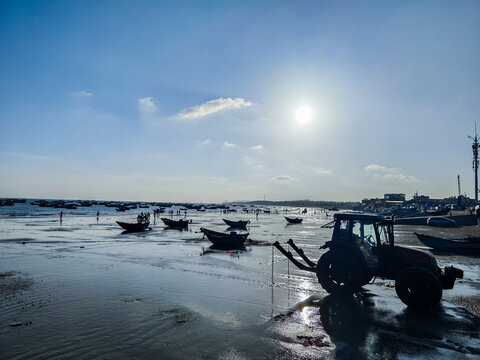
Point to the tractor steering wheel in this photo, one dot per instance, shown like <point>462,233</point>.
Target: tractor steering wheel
<point>369,239</point>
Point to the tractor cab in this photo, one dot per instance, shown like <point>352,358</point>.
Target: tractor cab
<point>364,233</point>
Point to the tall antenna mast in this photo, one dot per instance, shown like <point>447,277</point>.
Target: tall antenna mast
<point>459,192</point>
<point>475,161</point>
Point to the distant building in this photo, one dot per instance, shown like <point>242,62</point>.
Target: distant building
<point>421,199</point>
<point>394,197</point>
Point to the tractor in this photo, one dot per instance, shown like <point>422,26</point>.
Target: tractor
<point>362,247</point>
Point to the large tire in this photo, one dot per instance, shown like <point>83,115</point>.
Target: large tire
<point>340,272</point>
<point>418,287</point>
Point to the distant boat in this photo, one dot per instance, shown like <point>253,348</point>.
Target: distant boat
<point>441,222</point>
<point>134,227</point>
<point>294,220</point>
<point>237,224</point>
<point>225,241</point>
<point>176,223</point>
<point>465,244</point>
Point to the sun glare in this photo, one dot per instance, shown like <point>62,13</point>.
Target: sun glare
<point>303,114</point>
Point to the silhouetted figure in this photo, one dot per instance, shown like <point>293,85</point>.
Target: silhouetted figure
<point>61,215</point>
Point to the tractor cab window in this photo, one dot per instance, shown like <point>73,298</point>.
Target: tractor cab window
<point>344,229</point>
<point>364,236</point>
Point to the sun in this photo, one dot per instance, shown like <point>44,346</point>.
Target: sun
<point>304,114</point>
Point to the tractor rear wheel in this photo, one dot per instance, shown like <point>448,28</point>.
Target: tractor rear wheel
<point>418,287</point>
<point>340,272</point>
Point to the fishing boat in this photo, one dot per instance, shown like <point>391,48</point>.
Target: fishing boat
<point>143,221</point>
<point>133,227</point>
<point>225,241</point>
<point>241,224</point>
<point>294,220</point>
<point>176,223</point>
<point>466,244</point>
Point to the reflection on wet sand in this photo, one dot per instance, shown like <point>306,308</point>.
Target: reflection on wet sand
<point>359,327</point>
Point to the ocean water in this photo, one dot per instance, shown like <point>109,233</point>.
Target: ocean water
<point>81,288</point>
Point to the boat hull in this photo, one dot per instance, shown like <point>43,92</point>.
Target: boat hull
<point>133,227</point>
<point>175,223</point>
<point>225,241</point>
<point>294,220</point>
<point>449,244</point>
<point>241,224</point>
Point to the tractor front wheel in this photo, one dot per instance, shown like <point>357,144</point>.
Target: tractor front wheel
<point>339,272</point>
<point>418,287</point>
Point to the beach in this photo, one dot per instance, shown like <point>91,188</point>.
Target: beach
<point>83,289</point>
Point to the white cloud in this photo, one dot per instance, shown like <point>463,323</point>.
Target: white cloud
<point>257,147</point>
<point>322,171</point>
<point>25,156</point>
<point>375,167</point>
<point>205,142</point>
<point>212,107</point>
<point>400,177</point>
<point>81,94</point>
<point>389,173</point>
<point>228,145</point>
<point>146,105</point>
<point>283,178</point>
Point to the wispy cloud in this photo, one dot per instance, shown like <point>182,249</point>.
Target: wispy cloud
<point>205,142</point>
<point>81,94</point>
<point>257,147</point>
<point>212,107</point>
<point>321,171</point>
<point>389,173</point>
<point>375,167</point>
<point>24,156</point>
<point>228,145</point>
<point>283,178</point>
<point>146,106</point>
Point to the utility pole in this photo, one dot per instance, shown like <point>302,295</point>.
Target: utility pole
<point>475,161</point>
<point>459,200</point>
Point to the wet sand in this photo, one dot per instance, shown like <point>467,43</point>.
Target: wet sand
<point>83,290</point>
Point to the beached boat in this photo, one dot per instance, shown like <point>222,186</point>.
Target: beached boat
<point>441,222</point>
<point>294,220</point>
<point>134,227</point>
<point>466,244</point>
<point>176,223</point>
<point>237,224</point>
<point>225,241</point>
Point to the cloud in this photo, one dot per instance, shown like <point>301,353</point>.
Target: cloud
<point>322,171</point>
<point>389,173</point>
<point>25,156</point>
<point>146,105</point>
<point>374,167</point>
<point>257,147</point>
<point>81,94</point>
<point>212,107</point>
<point>283,178</point>
<point>228,145</point>
<point>205,142</point>
<point>400,177</point>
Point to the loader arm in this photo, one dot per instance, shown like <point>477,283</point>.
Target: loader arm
<point>290,257</point>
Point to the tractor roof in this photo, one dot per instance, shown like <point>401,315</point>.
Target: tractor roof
<point>362,216</point>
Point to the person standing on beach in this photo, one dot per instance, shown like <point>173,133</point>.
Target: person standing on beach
<point>61,215</point>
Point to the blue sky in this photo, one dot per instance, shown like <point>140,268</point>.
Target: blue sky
<point>196,101</point>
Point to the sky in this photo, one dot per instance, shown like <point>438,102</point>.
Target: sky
<point>212,101</point>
